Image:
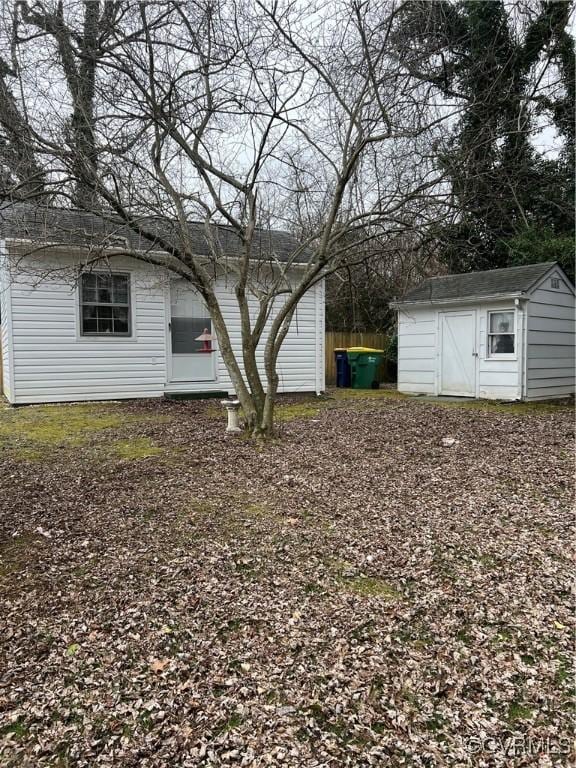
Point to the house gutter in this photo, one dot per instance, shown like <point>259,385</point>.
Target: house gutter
<point>398,304</point>
<point>112,250</point>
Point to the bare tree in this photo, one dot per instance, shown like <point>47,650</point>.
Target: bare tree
<point>253,116</point>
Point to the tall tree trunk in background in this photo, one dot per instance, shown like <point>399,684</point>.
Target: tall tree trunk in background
<point>21,176</point>
<point>79,56</point>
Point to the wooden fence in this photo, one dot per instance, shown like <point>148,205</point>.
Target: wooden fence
<point>335,339</point>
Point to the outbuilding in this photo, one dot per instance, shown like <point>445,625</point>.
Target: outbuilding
<point>505,334</point>
<point>83,320</point>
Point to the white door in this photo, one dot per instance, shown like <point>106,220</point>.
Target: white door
<point>458,356</point>
<point>191,360</point>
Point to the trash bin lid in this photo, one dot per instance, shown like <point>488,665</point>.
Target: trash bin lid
<point>365,349</point>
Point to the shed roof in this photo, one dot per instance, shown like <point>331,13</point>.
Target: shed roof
<point>68,226</point>
<point>492,282</point>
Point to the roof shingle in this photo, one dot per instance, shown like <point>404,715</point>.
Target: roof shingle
<point>493,282</point>
<point>41,224</point>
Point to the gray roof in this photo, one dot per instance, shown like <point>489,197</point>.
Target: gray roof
<point>493,282</point>
<point>41,224</point>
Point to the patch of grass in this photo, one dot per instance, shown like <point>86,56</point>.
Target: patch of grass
<point>487,561</point>
<point>56,424</point>
<point>17,552</point>
<point>517,711</point>
<point>255,510</point>
<point>138,448</point>
<point>463,636</point>
<point>234,721</point>
<point>435,723</point>
<point>369,586</point>
<point>493,406</point>
<point>367,394</point>
<point>497,406</point>
<point>293,411</point>
<point>31,433</point>
<point>29,454</point>
<point>18,730</point>
<point>564,670</point>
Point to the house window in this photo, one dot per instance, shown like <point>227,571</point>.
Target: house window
<point>105,304</point>
<point>501,334</point>
<point>555,282</point>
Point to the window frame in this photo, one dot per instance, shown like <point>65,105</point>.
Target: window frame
<point>501,355</point>
<point>81,303</point>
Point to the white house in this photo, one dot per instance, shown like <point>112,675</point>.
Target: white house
<point>505,334</point>
<point>126,329</point>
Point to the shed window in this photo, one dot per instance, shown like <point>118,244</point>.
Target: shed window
<point>105,304</point>
<point>501,334</point>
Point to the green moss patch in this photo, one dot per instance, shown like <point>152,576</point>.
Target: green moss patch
<point>369,586</point>
<point>31,433</point>
<point>294,411</point>
<point>346,393</point>
<point>138,448</point>
<point>18,551</point>
<point>55,424</point>
<point>517,711</point>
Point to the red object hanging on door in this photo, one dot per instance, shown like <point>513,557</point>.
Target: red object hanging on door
<point>206,338</point>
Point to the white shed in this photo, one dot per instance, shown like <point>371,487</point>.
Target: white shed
<point>505,334</point>
<point>126,328</point>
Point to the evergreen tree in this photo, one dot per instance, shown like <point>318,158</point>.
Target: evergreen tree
<point>485,56</point>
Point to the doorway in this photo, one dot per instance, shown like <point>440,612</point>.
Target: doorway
<point>458,355</point>
<point>192,360</point>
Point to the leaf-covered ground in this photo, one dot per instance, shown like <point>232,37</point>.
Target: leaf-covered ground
<point>355,593</point>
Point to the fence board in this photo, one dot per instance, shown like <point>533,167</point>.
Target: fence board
<point>335,339</point>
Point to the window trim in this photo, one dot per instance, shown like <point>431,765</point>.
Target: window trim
<point>501,355</point>
<point>96,335</point>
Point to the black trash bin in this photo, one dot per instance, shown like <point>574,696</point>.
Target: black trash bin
<point>342,368</point>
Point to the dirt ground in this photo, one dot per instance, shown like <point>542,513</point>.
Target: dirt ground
<point>354,593</point>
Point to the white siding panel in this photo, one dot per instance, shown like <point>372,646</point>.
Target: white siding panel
<point>421,388</point>
<point>550,341</point>
<point>559,338</point>
<point>550,324</point>
<point>297,361</point>
<point>546,372</point>
<point>538,309</point>
<point>54,363</point>
<point>417,351</point>
<point>5,328</point>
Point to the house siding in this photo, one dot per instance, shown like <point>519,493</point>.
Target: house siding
<point>499,379</point>
<point>417,340</point>
<point>419,352</point>
<point>5,327</point>
<point>299,367</point>
<point>550,340</point>
<point>53,363</point>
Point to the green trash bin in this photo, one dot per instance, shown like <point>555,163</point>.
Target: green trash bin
<point>364,365</point>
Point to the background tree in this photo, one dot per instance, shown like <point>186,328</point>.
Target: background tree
<point>508,64</point>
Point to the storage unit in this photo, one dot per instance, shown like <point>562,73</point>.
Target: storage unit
<point>505,334</point>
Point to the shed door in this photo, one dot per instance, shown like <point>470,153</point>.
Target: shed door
<point>458,358</point>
